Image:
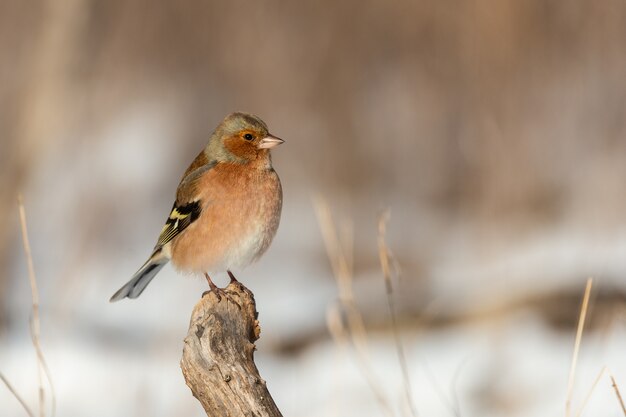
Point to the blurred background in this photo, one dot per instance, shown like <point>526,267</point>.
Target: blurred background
<point>495,131</point>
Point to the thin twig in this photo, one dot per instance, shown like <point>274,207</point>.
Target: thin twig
<point>439,391</point>
<point>619,396</point>
<point>337,330</point>
<point>16,395</point>
<point>385,255</point>
<point>593,387</point>
<point>35,323</point>
<point>579,335</point>
<point>455,404</point>
<point>342,270</point>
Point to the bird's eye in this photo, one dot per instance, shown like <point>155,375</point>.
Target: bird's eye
<point>248,136</point>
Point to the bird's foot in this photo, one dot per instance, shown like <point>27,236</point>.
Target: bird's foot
<point>219,292</point>
<point>232,278</point>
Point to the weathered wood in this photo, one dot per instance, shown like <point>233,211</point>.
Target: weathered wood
<point>218,363</point>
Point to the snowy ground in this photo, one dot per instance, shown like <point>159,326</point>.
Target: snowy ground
<point>513,367</point>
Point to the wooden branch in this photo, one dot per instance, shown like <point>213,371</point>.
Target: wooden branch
<point>218,363</point>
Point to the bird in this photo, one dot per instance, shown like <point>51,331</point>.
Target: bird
<point>227,207</point>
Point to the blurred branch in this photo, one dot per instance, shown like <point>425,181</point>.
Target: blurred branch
<point>619,396</point>
<point>35,324</point>
<point>16,395</point>
<point>218,363</point>
<point>386,259</point>
<point>340,257</point>
<point>591,390</point>
<point>579,335</point>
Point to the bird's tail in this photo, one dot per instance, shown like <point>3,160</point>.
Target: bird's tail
<point>141,279</point>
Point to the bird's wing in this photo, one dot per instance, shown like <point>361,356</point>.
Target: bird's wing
<point>187,206</point>
<point>179,219</point>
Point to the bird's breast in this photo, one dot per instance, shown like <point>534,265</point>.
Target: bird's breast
<point>240,214</point>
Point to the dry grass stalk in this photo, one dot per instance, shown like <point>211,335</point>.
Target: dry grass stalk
<point>619,396</point>
<point>593,387</point>
<point>337,331</point>
<point>16,395</point>
<point>35,323</point>
<point>579,335</point>
<point>455,406</point>
<point>341,263</point>
<point>385,256</point>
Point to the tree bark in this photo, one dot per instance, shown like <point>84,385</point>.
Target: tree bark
<point>218,363</point>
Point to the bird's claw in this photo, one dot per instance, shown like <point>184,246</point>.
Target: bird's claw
<point>219,293</point>
<point>232,277</point>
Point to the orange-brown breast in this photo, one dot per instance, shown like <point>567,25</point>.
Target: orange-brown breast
<point>241,205</point>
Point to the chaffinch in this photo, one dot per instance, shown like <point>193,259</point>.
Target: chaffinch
<point>227,207</point>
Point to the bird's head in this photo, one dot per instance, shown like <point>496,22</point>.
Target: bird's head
<point>241,137</point>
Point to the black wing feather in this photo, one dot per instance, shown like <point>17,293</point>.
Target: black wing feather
<point>179,219</point>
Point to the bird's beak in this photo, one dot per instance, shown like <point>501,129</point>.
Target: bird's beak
<point>269,142</point>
